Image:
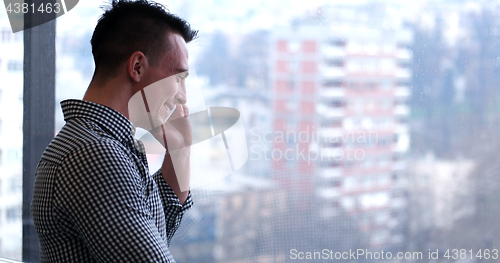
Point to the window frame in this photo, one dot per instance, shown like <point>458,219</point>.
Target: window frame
<point>38,114</point>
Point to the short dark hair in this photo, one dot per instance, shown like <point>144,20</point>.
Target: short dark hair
<point>130,26</point>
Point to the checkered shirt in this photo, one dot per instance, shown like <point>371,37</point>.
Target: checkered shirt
<point>94,198</point>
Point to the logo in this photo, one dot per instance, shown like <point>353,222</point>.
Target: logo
<point>204,143</point>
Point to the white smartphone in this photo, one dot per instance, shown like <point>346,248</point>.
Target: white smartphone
<point>171,112</point>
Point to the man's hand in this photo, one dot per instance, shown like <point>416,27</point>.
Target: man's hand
<point>176,136</point>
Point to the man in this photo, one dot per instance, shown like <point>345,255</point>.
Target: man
<point>94,199</point>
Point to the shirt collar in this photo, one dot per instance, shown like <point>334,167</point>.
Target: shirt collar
<point>114,122</point>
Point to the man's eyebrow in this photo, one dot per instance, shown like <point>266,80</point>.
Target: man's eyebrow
<point>180,70</point>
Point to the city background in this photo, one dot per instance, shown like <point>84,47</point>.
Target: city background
<point>370,125</point>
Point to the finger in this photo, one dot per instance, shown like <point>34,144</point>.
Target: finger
<point>178,113</point>
<point>164,137</point>
<point>186,110</point>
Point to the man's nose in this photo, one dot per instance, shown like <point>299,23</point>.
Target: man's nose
<point>181,96</point>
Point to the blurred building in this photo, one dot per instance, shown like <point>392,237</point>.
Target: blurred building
<point>248,221</point>
<point>255,108</point>
<point>340,128</point>
<point>234,221</point>
<point>11,142</point>
<point>442,192</point>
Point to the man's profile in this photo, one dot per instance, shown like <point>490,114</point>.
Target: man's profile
<point>94,198</point>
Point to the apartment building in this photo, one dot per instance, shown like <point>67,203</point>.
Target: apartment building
<point>11,140</point>
<point>340,121</point>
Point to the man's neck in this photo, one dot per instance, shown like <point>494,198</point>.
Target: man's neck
<point>112,94</point>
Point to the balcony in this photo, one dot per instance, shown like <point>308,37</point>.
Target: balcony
<point>330,173</point>
<point>332,72</point>
<point>332,92</point>
<point>402,92</point>
<point>392,223</point>
<point>333,52</point>
<point>403,73</point>
<point>330,132</point>
<point>397,239</point>
<point>404,54</point>
<point>400,184</point>
<point>329,112</point>
<point>328,193</point>
<point>402,128</point>
<point>402,110</point>
<point>399,165</point>
<point>331,153</point>
<point>398,203</point>
<point>329,212</point>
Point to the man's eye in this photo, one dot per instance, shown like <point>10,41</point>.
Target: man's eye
<point>184,75</point>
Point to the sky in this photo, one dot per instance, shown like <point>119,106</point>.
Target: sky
<point>226,15</point>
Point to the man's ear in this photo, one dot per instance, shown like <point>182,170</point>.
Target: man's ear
<point>136,66</point>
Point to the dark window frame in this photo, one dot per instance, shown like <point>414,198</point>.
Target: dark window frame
<point>38,115</point>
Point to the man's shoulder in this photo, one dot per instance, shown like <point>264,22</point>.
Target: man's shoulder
<point>79,137</point>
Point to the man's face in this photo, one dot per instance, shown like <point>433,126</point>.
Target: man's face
<point>174,64</point>
<point>165,91</point>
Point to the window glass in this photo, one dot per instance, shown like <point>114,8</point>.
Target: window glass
<point>11,117</point>
<point>424,73</point>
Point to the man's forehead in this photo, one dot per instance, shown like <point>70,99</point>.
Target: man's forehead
<point>177,51</point>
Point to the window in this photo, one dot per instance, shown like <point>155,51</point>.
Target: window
<point>308,67</point>
<point>294,46</point>
<point>334,103</point>
<point>282,46</point>
<point>337,42</point>
<point>348,203</point>
<point>13,214</point>
<point>335,63</point>
<point>331,123</point>
<point>381,217</point>
<point>282,66</point>
<point>383,161</point>
<point>15,185</point>
<point>308,87</point>
<point>386,85</point>
<point>383,180</point>
<point>368,162</point>
<point>332,83</point>
<point>349,183</point>
<point>336,183</point>
<point>367,182</point>
<point>417,67</point>
<point>15,65</point>
<point>309,46</point>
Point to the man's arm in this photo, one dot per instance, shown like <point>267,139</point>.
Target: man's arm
<point>174,210</point>
<point>101,190</point>
<point>176,136</point>
<point>175,181</point>
<point>175,202</point>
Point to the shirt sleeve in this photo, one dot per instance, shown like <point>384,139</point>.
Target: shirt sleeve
<point>102,192</point>
<point>174,210</point>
